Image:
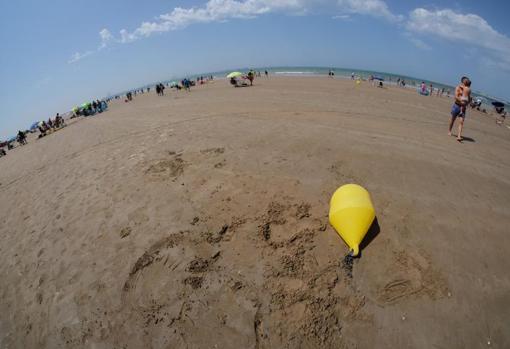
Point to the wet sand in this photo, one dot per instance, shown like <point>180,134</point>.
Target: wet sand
<point>199,220</point>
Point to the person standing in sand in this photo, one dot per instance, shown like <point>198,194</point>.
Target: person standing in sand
<point>251,76</point>
<point>462,99</point>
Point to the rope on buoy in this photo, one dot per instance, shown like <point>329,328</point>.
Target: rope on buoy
<point>348,264</point>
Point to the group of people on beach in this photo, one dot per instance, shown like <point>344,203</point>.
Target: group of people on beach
<point>185,84</point>
<point>52,125</point>
<point>242,80</point>
<point>45,127</point>
<point>21,137</point>
<point>401,82</point>
<point>90,108</point>
<point>160,89</point>
<point>202,80</point>
<point>439,92</point>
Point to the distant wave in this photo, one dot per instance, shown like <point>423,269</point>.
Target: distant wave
<point>294,72</point>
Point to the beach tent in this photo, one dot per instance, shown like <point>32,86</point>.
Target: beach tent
<point>378,78</point>
<point>235,74</point>
<point>34,125</point>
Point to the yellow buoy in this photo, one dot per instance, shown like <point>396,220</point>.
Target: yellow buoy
<point>351,213</point>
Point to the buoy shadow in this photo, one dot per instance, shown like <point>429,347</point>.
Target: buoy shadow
<point>374,230</point>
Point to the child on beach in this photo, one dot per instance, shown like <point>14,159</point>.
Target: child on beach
<point>462,99</point>
<point>465,97</point>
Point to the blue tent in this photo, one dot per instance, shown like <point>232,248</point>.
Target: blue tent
<point>12,139</point>
<point>34,125</point>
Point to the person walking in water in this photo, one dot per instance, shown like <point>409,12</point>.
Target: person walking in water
<point>462,99</point>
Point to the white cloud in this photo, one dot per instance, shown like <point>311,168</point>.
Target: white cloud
<point>126,37</point>
<point>417,42</point>
<point>213,11</point>
<point>78,56</point>
<point>341,17</point>
<point>224,10</point>
<point>469,29</point>
<point>106,38</point>
<point>420,43</point>
<point>463,29</point>
<point>376,8</point>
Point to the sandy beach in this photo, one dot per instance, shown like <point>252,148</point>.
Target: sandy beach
<point>200,220</point>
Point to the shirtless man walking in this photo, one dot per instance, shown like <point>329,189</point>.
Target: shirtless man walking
<point>462,99</point>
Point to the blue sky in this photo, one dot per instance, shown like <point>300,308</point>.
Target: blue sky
<point>57,54</point>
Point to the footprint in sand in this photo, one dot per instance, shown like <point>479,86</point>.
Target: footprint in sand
<point>213,151</point>
<point>221,164</point>
<point>164,272</point>
<point>143,289</point>
<point>178,290</point>
<point>310,296</point>
<point>164,169</point>
<point>412,276</point>
<point>125,232</point>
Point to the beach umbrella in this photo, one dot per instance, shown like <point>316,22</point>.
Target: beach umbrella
<point>498,104</point>
<point>234,75</point>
